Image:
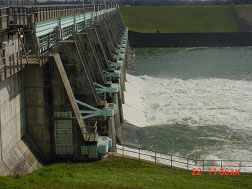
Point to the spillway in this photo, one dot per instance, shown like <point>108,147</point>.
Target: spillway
<point>194,102</point>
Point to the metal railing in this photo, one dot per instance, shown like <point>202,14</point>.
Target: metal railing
<point>9,66</point>
<point>28,15</point>
<point>45,42</point>
<point>4,18</point>
<point>183,162</point>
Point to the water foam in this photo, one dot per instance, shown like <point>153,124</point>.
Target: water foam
<point>193,102</point>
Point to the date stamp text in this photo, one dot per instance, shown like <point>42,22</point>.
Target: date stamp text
<point>221,171</point>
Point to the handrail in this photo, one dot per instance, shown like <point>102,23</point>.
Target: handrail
<point>173,154</point>
<point>53,5</point>
<point>47,41</point>
<point>182,162</point>
<point>28,15</point>
<point>8,68</point>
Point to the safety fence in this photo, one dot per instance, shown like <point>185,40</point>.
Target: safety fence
<point>183,162</point>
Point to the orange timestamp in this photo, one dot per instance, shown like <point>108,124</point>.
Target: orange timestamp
<point>221,171</point>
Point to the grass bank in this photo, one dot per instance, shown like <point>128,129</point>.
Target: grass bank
<point>180,19</point>
<point>120,173</point>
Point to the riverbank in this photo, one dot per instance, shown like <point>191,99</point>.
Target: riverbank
<point>118,172</point>
<point>181,19</point>
<point>189,26</point>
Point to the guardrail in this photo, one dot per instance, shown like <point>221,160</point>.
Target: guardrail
<point>4,18</point>
<point>28,15</point>
<point>183,162</point>
<point>48,33</point>
<point>10,65</point>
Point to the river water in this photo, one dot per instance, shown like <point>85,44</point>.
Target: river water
<point>194,102</point>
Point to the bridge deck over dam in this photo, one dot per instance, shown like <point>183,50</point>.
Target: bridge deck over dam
<point>46,22</point>
<point>62,71</point>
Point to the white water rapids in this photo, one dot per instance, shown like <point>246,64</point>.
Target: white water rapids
<point>193,102</point>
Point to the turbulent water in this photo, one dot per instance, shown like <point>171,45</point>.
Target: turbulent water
<point>196,102</point>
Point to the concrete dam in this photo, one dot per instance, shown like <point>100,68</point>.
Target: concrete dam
<point>62,82</point>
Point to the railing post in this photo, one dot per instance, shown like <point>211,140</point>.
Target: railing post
<point>1,18</point>
<point>8,18</point>
<point>240,166</point>
<point>203,165</point>
<point>221,163</point>
<point>139,153</point>
<point>155,157</point>
<point>187,164</point>
<point>171,160</point>
<point>5,71</point>
<point>123,150</point>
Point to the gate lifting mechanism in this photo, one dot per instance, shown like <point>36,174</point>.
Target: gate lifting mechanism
<point>114,74</point>
<point>120,50</point>
<point>123,41</point>
<point>109,110</point>
<point>119,56</point>
<point>116,64</point>
<point>121,45</point>
<point>113,88</point>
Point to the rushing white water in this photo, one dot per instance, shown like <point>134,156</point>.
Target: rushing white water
<point>193,102</point>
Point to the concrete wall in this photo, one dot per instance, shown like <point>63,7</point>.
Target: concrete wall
<point>12,112</point>
<point>44,94</point>
<point>137,39</point>
<point>37,106</point>
<point>15,156</point>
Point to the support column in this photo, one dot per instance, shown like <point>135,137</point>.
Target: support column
<point>120,102</point>
<point>121,90</point>
<point>112,132</point>
<point>123,78</point>
<point>117,119</point>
